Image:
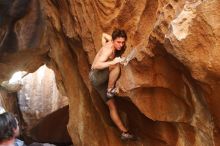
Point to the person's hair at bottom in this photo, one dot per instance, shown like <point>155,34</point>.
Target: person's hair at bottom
<point>8,124</point>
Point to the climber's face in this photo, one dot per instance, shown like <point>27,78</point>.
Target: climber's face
<point>118,43</point>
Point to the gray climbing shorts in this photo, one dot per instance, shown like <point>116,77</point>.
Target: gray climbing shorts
<point>99,80</point>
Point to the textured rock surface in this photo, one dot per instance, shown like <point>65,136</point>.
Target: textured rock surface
<point>9,101</point>
<point>53,131</point>
<point>39,96</point>
<point>169,92</point>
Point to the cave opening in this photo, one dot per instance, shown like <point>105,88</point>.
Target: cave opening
<point>42,111</point>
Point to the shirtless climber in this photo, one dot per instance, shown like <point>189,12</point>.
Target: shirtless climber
<point>104,73</point>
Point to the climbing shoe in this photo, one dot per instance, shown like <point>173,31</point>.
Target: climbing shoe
<point>128,136</point>
<point>111,92</point>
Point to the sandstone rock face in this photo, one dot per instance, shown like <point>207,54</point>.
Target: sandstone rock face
<point>168,93</point>
<point>52,128</point>
<point>9,102</point>
<point>39,96</point>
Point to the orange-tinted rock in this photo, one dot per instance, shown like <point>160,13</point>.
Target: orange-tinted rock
<point>53,127</point>
<point>170,88</point>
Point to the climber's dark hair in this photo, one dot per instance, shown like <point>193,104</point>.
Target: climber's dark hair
<point>119,33</point>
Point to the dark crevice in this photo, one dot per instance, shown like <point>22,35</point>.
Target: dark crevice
<point>16,10</point>
<point>52,129</point>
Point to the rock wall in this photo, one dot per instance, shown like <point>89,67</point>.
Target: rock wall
<point>39,96</point>
<point>9,101</point>
<point>168,93</point>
